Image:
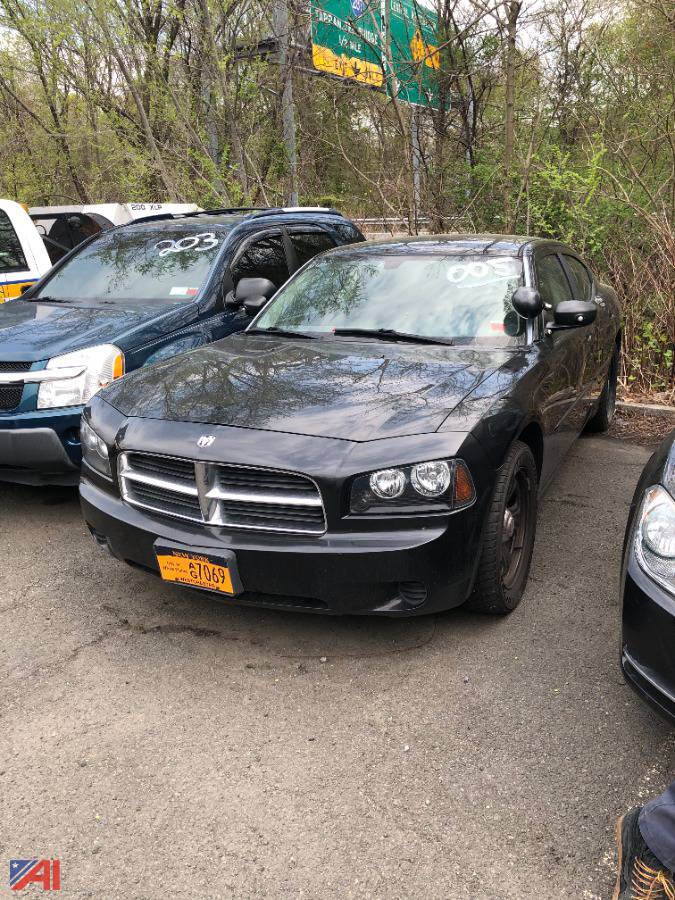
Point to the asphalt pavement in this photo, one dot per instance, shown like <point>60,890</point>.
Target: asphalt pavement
<point>165,745</point>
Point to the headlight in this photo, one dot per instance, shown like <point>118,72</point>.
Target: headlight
<point>94,450</point>
<point>97,366</point>
<point>655,536</point>
<point>429,487</point>
<point>388,483</point>
<point>431,479</point>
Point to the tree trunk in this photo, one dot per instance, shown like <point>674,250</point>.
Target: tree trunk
<point>282,32</point>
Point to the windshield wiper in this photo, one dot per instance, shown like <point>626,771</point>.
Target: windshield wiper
<point>280,332</point>
<point>389,334</point>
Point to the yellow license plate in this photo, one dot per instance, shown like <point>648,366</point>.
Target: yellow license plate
<point>196,571</point>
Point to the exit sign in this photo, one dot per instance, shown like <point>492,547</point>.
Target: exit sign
<point>350,40</point>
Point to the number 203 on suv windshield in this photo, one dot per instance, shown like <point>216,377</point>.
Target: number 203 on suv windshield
<point>194,242</point>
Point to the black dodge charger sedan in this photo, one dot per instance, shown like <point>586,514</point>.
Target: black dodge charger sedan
<point>375,441</point>
<point>648,584</point>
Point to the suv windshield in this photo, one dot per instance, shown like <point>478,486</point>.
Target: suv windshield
<point>137,264</point>
<point>465,298</point>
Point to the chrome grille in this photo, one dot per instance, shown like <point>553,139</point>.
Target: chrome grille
<point>222,494</point>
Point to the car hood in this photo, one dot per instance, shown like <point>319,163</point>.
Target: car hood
<point>32,331</point>
<point>356,391</point>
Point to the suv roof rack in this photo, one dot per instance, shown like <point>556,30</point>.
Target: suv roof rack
<point>253,211</point>
<point>221,211</point>
<point>325,210</point>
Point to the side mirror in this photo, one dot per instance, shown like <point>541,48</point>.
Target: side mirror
<point>249,289</point>
<point>253,305</point>
<point>254,287</point>
<point>527,302</point>
<point>573,314</point>
<point>25,288</point>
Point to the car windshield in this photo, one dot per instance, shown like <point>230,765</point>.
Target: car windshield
<point>138,265</point>
<point>465,298</point>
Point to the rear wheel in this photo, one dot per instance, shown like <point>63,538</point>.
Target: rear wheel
<point>509,533</point>
<point>604,415</point>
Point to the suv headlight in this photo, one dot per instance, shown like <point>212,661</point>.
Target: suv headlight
<point>655,536</point>
<point>94,450</point>
<point>428,487</point>
<point>98,367</point>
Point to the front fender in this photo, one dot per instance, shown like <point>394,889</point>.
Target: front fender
<point>501,407</point>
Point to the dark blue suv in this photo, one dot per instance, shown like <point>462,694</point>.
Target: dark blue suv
<point>129,297</point>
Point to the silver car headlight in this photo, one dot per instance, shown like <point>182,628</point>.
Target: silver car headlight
<point>94,450</point>
<point>655,536</point>
<point>87,372</point>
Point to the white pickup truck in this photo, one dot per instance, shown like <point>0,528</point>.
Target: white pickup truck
<point>33,239</point>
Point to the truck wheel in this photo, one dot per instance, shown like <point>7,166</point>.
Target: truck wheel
<point>508,538</point>
<point>603,416</point>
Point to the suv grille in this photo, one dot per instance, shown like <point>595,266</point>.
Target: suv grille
<point>15,366</point>
<point>222,494</point>
<point>10,394</point>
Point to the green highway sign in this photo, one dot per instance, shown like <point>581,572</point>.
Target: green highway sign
<point>414,52</point>
<point>349,40</point>
<point>346,39</point>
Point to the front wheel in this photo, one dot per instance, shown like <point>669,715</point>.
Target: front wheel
<point>508,538</point>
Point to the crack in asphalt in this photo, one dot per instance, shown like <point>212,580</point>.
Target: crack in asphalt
<point>122,624</point>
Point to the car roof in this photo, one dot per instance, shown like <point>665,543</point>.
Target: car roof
<point>500,244</point>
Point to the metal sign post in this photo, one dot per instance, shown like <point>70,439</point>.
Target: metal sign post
<point>416,164</point>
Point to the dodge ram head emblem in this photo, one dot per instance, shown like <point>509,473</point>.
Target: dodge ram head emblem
<point>206,440</point>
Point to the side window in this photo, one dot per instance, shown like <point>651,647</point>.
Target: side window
<point>349,234</point>
<point>583,283</point>
<point>552,281</point>
<point>264,258</point>
<point>11,254</point>
<point>308,243</point>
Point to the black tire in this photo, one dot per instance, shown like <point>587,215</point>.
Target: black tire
<point>503,570</point>
<point>603,417</point>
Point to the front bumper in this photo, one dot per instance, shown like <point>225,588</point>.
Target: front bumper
<point>41,447</point>
<point>648,642</point>
<point>345,572</point>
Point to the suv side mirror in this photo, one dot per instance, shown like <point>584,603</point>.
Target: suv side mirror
<point>254,287</point>
<point>573,314</point>
<point>250,289</point>
<point>527,302</point>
